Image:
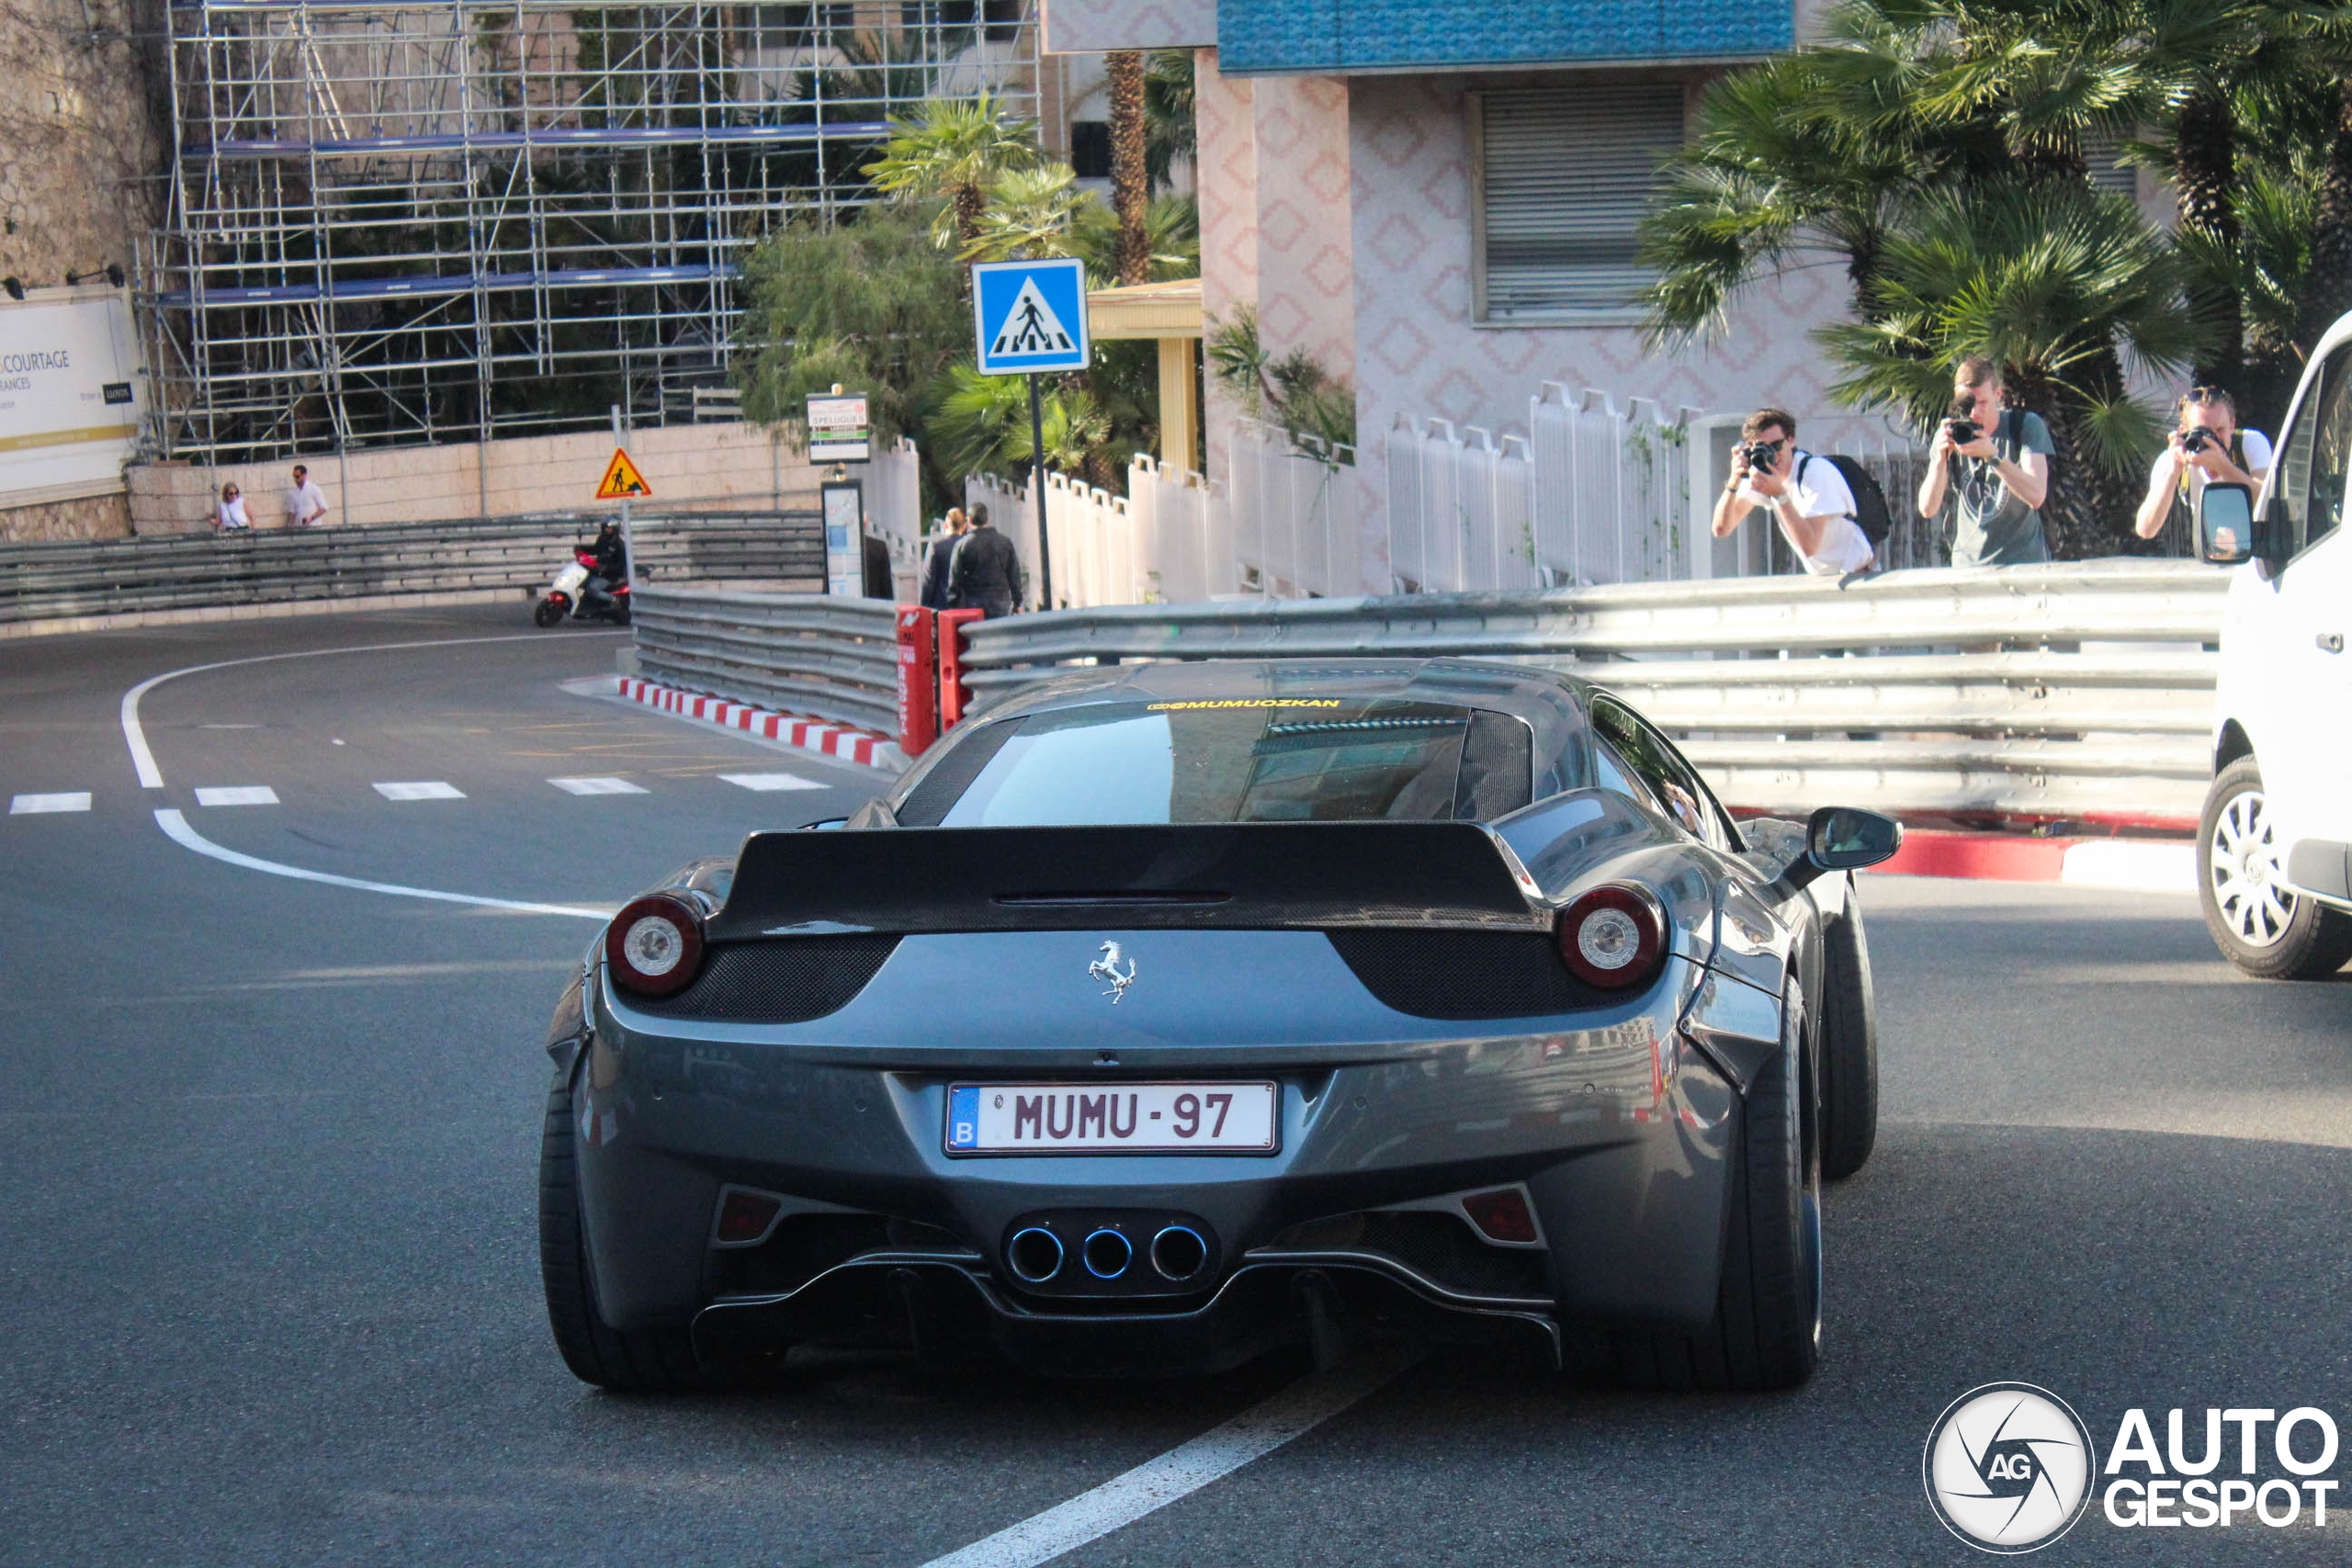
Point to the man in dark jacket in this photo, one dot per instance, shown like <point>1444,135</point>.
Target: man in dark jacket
<point>936,565</point>
<point>875,560</point>
<point>986,573</point>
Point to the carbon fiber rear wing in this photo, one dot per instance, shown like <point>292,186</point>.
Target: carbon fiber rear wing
<point>1319,875</point>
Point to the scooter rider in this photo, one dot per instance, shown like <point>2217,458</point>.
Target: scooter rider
<point>607,565</point>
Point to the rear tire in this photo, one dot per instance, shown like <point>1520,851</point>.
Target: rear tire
<point>1848,1046</point>
<point>644,1361</point>
<point>1767,1329</point>
<point>2266,931</point>
<point>548,614</point>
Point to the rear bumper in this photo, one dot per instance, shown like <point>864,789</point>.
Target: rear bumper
<point>1620,1130</point>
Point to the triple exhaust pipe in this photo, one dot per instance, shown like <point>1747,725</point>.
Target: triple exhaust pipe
<point>1035,1254</point>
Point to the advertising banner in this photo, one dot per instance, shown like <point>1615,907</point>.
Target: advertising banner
<point>69,394</point>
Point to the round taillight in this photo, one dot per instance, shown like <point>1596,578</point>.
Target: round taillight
<point>1614,936</point>
<point>654,945</point>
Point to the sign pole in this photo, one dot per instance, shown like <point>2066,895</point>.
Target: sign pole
<point>1037,484</point>
<point>629,546</point>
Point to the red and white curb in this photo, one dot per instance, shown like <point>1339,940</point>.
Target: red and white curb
<point>848,742</point>
<point>2142,865</point>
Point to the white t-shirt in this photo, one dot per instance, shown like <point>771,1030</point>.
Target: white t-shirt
<point>306,502</point>
<point>1819,490</point>
<point>2257,447</point>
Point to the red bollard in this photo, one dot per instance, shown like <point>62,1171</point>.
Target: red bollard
<point>918,678</point>
<point>953,696</point>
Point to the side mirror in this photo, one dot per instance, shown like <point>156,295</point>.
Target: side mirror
<point>2225,523</point>
<point>825,825</point>
<point>1845,837</point>
<point>1838,838</point>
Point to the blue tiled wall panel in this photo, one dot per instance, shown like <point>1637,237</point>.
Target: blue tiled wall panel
<point>1331,35</point>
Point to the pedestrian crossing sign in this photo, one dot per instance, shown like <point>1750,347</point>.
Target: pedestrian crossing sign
<point>1031,315</point>
<point>622,482</point>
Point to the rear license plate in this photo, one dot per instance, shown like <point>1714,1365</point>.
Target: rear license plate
<point>1132,1118</point>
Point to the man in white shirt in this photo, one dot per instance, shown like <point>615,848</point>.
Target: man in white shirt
<point>1807,497</point>
<point>2190,461</point>
<point>306,503</point>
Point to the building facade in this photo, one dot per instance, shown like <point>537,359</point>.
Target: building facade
<point>1436,200</point>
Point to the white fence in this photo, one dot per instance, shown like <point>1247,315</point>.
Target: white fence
<point>894,501</point>
<point>1293,536</point>
<point>1169,538</point>
<point>1594,493</point>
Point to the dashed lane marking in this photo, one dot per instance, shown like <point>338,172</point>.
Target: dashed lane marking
<point>1181,1471</point>
<point>175,828</point>
<point>434,790</point>
<point>34,805</point>
<point>765,782</point>
<point>237,795</point>
<point>597,786</point>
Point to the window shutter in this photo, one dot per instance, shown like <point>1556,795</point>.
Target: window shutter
<point>1569,173</point>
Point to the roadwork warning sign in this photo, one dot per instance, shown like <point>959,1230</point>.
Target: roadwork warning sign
<point>622,482</point>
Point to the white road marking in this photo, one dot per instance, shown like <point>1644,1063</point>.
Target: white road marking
<point>134,734</point>
<point>237,795</point>
<point>433,791</point>
<point>765,782</point>
<point>31,804</point>
<point>1181,1471</point>
<point>597,786</point>
<point>175,828</point>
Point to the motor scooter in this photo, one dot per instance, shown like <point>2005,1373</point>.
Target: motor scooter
<point>569,595</point>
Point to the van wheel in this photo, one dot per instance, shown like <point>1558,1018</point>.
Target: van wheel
<point>2260,926</point>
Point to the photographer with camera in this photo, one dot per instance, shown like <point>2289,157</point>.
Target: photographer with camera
<point>2205,446</point>
<point>1807,495</point>
<point>1993,463</point>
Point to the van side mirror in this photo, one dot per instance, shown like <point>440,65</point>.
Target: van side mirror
<point>2225,523</point>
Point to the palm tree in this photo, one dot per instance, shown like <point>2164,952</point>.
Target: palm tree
<point>2060,285</point>
<point>1130,184</point>
<point>953,147</point>
<point>982,425</point>
<point>1169,132</point>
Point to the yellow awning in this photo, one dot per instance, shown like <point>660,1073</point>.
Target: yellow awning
<point>1145,309</point>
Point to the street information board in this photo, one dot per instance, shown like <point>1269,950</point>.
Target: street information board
<point>837,431</point>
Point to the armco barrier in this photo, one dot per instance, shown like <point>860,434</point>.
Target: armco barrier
<point>2080,692</point>
<point>833,658</point>
<point>84,582</point>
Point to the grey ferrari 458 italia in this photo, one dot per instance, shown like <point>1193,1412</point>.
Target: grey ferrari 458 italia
<point>1164,1014</point>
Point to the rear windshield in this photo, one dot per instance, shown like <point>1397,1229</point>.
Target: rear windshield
<point>1233,759</point>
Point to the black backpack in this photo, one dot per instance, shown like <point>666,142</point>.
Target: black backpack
<point>1870,512</point>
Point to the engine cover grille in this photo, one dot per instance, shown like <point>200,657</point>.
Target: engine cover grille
<point>790,980</point>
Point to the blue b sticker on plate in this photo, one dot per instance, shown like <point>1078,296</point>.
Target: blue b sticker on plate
<point>964,1118</point>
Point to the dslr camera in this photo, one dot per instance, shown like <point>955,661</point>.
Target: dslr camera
<point>2195,438</point>
<point>1760,456</point>
<point>1962,423</point>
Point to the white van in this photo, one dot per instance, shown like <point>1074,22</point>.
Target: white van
<point>2274,846</point>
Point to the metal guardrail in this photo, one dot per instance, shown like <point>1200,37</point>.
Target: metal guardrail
<point>2080,692</point>
<point>107,578</point>
<point>828,657</point>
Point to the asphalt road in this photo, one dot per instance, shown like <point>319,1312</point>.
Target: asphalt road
<point>268,1152</point>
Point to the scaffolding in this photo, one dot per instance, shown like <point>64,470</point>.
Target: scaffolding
<point>394,222</point>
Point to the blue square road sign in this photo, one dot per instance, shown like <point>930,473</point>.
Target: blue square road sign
<point>1031,315</point>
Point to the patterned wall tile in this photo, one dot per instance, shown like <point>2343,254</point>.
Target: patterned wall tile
<point>1091,26</point>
